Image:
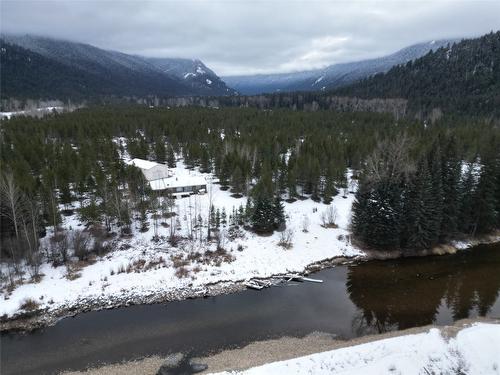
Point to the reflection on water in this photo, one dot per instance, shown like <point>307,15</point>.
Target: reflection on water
<point>410,292</point>
<point>354,300</point>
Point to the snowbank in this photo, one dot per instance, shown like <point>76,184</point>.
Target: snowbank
<point>475,350</point>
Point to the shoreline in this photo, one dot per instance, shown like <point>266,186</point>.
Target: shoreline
<point>259,353</point>
<point>27,322</point>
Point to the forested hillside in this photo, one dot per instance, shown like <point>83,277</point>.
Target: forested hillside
<point>43,68</point>
<point>29,75</point>
<point>462,78</point>
<point>266,155</point>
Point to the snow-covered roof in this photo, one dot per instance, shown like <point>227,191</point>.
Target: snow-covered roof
<point>143,164</point>
<point>177,181</point>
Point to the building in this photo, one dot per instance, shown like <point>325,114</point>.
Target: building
<point>180,186</point>
<point>160,178</point>
<point>152,170</point>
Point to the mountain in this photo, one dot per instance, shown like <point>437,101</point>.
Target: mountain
<point>39,67</point>
<point>193,73</point>
<point>331,77</point>
<point>462,78</point>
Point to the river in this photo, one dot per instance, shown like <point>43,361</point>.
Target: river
<point>354,300</point>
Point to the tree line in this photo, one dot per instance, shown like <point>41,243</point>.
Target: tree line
<point>76,161</point>
<point>418,202</point>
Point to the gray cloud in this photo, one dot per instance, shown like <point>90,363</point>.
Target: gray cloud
<point>245,36</point>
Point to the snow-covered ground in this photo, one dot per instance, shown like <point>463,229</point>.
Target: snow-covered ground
<point>35,111</point>
<point>151,267</point>
<point>475,350</point>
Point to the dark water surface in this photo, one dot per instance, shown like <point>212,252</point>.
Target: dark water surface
<point>354,300</point>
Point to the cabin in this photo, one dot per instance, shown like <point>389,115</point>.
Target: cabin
<point>161,178</point>
<point>180,186</point>
<point>152,170</point>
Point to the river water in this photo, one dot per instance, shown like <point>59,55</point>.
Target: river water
<point>354,300</point>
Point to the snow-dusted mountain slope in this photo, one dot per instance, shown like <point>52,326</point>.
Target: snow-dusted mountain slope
<point>120,73</point>
<point>332,76</point>
<point>193,72</point>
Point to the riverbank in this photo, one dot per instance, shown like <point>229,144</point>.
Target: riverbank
<point>144,269</point>
<point>290,348</point>
<point>26,322</point>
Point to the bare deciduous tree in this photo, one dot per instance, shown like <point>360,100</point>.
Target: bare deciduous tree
<point>81,244</point>
<point>389,161</point>
<point>305,224</point>
<point>329,217</point>
<point>12,198</point>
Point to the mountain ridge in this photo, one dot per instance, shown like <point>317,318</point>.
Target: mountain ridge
<point>121,74</point>
<point>332,76</point>
<point>463,78</point>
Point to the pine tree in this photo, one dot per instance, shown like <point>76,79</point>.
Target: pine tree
<point>241,215</point>
<point>171,162</point>
<point>451,171</point>
<point>329,187</point>
<point>485,200</point>
<point>279,213</point>
<point>248,210</point>
<point>143,219</point>
<point>237,181</point>
<point>436,207</point>
<point>467,202</point>
<point>263,215</point>
<point>224,174</point>
<point>217,218</point>
<point>282,176</point>
<point>223,217</point>
<point>160,150</point>
<point>205,163</point>
<point>420,210</point>
<point>376,216</point>
<point>212,216</point>
<point>291,182</point>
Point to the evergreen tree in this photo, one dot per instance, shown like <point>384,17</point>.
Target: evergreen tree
<point>237,181</point>
<point>329,187</point>
<point>263,220</point>
<point>171,162</point>
<point>212,216</point>
<point>420,210</point>
<point>485,201</point>
<point>279,213</point>
<point>282,176</point>
<point>217,218</point>
<point>160,150</point>
<point>436,207</point>
<point>467,202</point>
<point>451,171</point>
<point>223,217</point>
<point>205,163</point>
<point>291,182</point>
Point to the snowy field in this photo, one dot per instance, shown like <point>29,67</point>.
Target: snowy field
<point>138,267</point>
<point>475,351</point>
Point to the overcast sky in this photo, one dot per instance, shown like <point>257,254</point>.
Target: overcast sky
<point>253,36</point>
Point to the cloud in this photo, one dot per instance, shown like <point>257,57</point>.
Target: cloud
<point>246,37</point>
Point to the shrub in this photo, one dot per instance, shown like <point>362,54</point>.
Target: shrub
<point>286,238</point>
<point>29,304</point>
<point>182,272</point>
